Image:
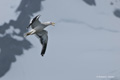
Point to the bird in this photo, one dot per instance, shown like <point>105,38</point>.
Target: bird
<point>38,30</point>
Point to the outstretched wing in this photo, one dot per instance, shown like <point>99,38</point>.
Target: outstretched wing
<point>33,20</point>
<point>43,39</point>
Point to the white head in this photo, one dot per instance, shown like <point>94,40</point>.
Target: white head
<point>49,23</point>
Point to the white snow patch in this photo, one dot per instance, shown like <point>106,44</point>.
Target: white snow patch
<point>17,37</point>
<point>8,9</point>
<point>17,30</point>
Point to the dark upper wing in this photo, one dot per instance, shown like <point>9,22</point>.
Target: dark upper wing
<point>43,39</point>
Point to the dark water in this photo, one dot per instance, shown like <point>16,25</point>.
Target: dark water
<point>11,47</point>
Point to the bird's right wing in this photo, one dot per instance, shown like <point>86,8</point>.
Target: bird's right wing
<point>43,39</point>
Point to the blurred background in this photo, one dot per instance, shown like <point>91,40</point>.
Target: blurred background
<point>84,44</point>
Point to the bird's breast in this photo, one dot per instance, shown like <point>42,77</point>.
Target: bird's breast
<point>39,28</point>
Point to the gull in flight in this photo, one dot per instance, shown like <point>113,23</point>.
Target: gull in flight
<point>38,29</point>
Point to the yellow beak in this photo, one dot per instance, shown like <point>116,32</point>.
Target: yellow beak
<point>53,24</point>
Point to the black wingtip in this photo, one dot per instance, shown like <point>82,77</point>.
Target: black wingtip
<point>44,49</point>
<point>28,26</point>
<point>42,55</point>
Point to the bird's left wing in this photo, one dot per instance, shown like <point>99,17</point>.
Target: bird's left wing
<point>33,20</point>
<point>43,39</point>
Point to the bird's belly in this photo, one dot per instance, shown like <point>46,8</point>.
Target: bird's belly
<point>38,29</point>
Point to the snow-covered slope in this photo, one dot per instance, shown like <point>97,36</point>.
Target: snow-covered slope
<point>83,45</point>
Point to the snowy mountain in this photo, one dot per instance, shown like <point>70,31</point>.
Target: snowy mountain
<point>84,44</point>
